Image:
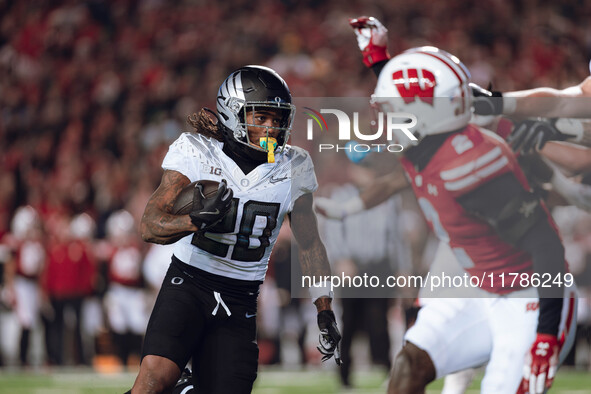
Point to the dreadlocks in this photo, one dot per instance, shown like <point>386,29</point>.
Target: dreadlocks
<point>203,125</point>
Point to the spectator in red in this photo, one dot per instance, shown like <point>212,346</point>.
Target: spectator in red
<point>68,279</point>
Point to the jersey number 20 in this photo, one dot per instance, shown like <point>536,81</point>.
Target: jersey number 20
<point>241,252</point>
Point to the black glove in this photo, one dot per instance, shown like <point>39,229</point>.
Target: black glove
<point>330,337</point>
<point>185,383</point>
<point>534,133</point>
<point>486,102</point>
<point>207,212</point>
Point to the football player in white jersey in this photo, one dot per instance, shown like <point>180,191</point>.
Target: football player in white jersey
<point>207,305</point>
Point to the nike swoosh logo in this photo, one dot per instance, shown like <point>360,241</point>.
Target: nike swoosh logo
<point>276,180</point>
<point>216,212</point>
<point>249,315</point>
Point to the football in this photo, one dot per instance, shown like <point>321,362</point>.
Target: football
<point>184,201</point>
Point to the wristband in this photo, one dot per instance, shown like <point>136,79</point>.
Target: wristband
<point>509,105</point>
<point>375,54</point>
<point>323,290</point>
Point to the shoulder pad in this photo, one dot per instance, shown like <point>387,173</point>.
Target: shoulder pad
<point>300,161</point>
<point>195,145</point>
<point>486,159</point>
<point>296,155</point>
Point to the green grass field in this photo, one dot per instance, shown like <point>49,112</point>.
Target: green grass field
<point>269,382</point>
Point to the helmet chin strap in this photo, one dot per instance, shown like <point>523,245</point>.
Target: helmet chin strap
<point>269,143</point>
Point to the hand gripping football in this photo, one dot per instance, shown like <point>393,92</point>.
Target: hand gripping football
<point>184,202</point>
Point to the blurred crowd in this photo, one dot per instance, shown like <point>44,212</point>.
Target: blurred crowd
<point>93,92</point>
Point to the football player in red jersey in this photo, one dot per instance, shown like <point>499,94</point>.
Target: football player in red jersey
<point>471,189</point>
<point>26,260</point>
<point>125,299</point>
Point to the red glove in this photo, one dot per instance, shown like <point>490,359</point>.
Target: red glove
<point>372,38</point>
<point>540,365</point>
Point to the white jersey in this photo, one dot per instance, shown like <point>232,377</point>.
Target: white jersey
<point>261,200</point>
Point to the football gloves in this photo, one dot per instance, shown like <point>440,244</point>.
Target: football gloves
<point>185,383</point>
<point>330,337</point>
<point>540,365</point>
<point>372,38</point>
<point>534,133</point>
<point>486,102</point>
<point>207,212</point>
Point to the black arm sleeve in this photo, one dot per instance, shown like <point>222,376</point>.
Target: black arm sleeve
<point>377,67</point>
<point>519,219</point>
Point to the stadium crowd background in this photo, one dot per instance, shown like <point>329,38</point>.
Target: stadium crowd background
<point>92,93</point>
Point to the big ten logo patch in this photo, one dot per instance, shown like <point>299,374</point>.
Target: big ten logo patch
<point>209,169</point>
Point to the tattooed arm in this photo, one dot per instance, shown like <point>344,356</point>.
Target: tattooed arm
<point>158,224</point>
<point>313,256</point>
<point>314,263</point>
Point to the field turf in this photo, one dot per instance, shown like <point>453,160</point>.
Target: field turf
<point>270,381</point>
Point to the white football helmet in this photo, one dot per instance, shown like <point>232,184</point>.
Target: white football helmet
<point>82,226</point>
<point>25,222</point>
<point>120,224</point>
<point>430,84</point>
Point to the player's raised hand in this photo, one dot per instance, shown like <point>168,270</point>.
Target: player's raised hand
<point>534,133</point>
<point>330,337</point>
<point>372,38</point>
<point>540,365</point>
<point>207,212</point>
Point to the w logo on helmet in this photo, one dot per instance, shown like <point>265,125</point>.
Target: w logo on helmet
<point>412,83</point>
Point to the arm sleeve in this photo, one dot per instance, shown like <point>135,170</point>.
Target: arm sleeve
<point>377,67</point>
<point>518,217</point>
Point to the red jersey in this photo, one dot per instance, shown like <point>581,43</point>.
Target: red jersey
<point>465,161</point>
<point>30,258</point>
<point>125,266</point>
<point>70,270</point>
